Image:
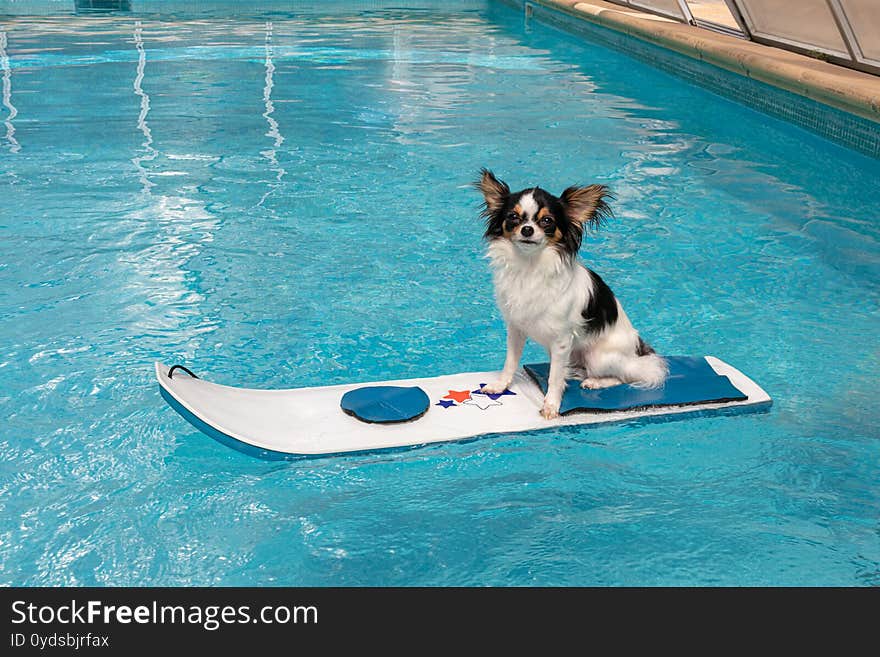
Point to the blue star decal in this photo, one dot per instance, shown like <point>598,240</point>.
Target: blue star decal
<point>493,397</point>
<point>445,403</point>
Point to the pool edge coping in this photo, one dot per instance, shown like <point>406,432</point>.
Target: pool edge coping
<point>845,89</point>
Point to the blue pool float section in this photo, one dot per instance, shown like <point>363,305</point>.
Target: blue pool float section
<point>386,404</point>
<point>691,381</point>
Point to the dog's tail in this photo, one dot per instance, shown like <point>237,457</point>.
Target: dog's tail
<point>648,371</point>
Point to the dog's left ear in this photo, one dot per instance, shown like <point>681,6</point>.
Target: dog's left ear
<point>587,205</point>
<point>495,192</point>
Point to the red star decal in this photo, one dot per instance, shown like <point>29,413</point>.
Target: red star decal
<point>458,395</point>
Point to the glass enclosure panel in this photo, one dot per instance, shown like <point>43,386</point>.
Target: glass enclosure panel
<point>713,11</point>
<point>807,22</point>
<point>864,18</point>
<point>666,7</point>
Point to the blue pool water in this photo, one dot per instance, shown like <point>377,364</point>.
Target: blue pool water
<point>283,200</point>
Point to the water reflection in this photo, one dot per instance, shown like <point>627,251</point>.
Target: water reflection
<point>151,152</point>
<point>170,225</point>
<point>14,146</point>
<point>271,154</point>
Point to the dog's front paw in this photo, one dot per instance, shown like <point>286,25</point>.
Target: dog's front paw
<point>550,410</point>
<point>495,388</point>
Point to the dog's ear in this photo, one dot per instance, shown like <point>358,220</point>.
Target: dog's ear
<point>495,192</point>
<point>587,205</point>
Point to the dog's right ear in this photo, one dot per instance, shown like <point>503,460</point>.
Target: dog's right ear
<point>495,192</point>
<point>587,206</point>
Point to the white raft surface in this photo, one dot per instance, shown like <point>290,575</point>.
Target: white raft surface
<point>309,421</point>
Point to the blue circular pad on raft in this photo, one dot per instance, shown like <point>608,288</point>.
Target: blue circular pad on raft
<point>385,404</point>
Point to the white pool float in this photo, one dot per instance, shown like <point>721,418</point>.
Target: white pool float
<point>310,421</point>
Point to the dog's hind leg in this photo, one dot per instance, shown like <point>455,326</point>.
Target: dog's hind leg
<point>595,383</point>
<point>610,368</point>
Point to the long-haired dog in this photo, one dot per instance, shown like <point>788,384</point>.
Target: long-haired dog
<point>545,293</point>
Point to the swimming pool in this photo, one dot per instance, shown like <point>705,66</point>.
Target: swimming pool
<point>283,199</point>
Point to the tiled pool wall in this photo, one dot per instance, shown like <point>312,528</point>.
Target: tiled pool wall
<point>841,127</point>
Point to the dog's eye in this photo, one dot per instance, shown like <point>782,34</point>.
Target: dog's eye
<point>545,220</point>
<point>512,216</point>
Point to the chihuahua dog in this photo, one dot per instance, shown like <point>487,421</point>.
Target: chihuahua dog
<point>545,293</point>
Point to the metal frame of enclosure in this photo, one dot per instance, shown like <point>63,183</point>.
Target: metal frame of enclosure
<point>845,32</point>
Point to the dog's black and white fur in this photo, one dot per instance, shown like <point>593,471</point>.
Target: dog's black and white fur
<point>545,293</point>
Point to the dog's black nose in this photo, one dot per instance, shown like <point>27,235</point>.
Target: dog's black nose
<point>526,231</point>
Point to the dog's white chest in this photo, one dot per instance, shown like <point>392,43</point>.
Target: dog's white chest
<point>543,302</point>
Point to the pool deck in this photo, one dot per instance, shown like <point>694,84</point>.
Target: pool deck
<point>846,89</point>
